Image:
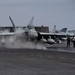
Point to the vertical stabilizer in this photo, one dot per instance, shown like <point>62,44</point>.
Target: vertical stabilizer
<point>54,30</point>
<point>30,25</point>
<point>12,22</point>
<point>64,30</point>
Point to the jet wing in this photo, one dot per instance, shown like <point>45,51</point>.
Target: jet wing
<point>7,34</point>
<point>56,34</point>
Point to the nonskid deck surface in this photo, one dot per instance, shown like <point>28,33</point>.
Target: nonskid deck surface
<point>62,49</point>
<point>47,49</point>
<point>36,62</point>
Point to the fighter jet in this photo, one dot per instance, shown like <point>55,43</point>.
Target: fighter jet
<point>29,30</point>
<point>32,34</point>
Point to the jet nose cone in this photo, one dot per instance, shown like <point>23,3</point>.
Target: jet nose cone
<point>35,35</point>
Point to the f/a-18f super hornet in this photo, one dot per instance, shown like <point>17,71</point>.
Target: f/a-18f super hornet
<point>31,33</point>
<point>29,30</point>
<point>63,33</point>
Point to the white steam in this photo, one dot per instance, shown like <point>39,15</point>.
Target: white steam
<point>25,44</point>
<point>19,41</point>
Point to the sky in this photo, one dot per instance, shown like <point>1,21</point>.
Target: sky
<point>46,12</point>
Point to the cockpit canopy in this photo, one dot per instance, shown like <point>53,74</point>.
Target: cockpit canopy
<point>30,27</point>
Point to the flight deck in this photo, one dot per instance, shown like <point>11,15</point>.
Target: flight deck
<point>36,62</point>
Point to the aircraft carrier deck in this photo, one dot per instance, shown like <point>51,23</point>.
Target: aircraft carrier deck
<point>37,61</point>
<point>57,59</point>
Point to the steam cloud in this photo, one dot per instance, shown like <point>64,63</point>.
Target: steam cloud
<point>19,41</point>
